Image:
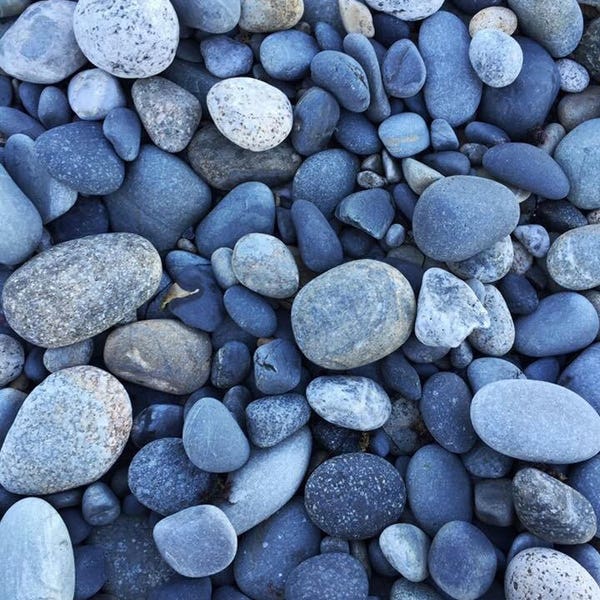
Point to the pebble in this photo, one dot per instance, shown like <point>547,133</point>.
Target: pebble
<point>489,265</point>
<point>37,553</point>
<point>494,502</point>
<point>574,77</point>
<point>10,403</point>
<point>122,128</point>
<point>535,421</point>
<point>496,57</point>
<point>93,93</point>
<point>216,17</point>
<point>404,135</point>
<point>90,571</point>
<point>403,70</point>
<point>407,590</point>
<point>262,16</point>
<point>447,310</point>
<point>135,353</point>
<point>406,547</point>
<point>286,55</point>
<point>251,312</point>
<point>442,136</point>
<point>467,227</point>
<point>230,365</point>
<point>155,422</point>
<point>407,10</point>
<point>212,438</point>
<point>73,355</point>
<point>493,17</point>
<point>550,574</point>
<point>483,461</point>
<point>499,337</point>
<point>40,46</point>
<point>84,416</point>
<point>197,541</point>
<point>339,488</point>
<point>534,238</point>
<point>370,211</point>
<point>580,376</point>
<point>225,57</point>
<point>277,367</point>
<point>128,40</point>
<point>99,505</point>
<point>310,135</point>
<point>356,18</point>
<point>588,50</point>
<point>324,334</point>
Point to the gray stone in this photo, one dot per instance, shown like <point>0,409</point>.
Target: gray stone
<point>197,541</point>
<point>405,134</point>
<point>494,502</point>
<point>37,556</point>
<point>162,354</point>
<point>265,265</point>
<point>575,109</point>
<point>493,17</point>
<point>548,574</point>
<point>94,93</point>
<point>127,39</point>
<point>407,590</point>
<point>496,57</point>
<point>12,358</point>
<point>536,421</point>
<point>11,8</point>
<point>74,355</point>
<point>279,469</point>
<point>349,401</point>
<point>219,16</point>
<point>220,261</point>
<point>40,46</point>
<point>534,238</point>
<point>262,16</point>
<point>406,547</point>
<point>320,322</point>
<point>573,76</point>
<point>407,10</point>
<point>489,265</point>
<point>489,369</point>
<point>80,288</point>
<point>499,337</point>
<point>447,310</point>
<point>100,505</point>
<point>418,175</point>
<point>83,416</point>
<point>551,509</point>
<point>169,113</point>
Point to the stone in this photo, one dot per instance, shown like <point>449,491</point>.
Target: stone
<point>406,546</point>
<point>40,46</point>
<point>196,541</point>
<point>12,359</point>
<point>93,93</point>
<point>371,211</point>
<point>217,17</point>
<point>447,310</point>
<point>575,109</point>
<point>162,354</point>
<point>489,369</point>
<point>453,218</point>
<point>99,505</point>
<point>356,18</point>
<point>136,39</point>
<point>225,57</point>
<point>349,401</point>
<point>251,312</point>
<point>11,8</point>
<point>496,57</point>
<point>407,590</point>
<point>319,314</point>
<point>574,77</point>
<point>262,16</point>
<point>60,296</point>
<point>122,128</point>
<point>489,265</point>
<point>494,502</point>
<point>403,70</point>
<point>310,135</point>
<point>90,571</point>
<point>277,367</point>
<point>38,556</point>
<point>589,49</point>
<point>251,113</point>
<point>534,238</point>
<point>169,113</point>
<point>536,421</point>
<point>493,17</point>
<point>404,135</point>
<point>286,55</point>
<point>84,417</point>
<point>407,10</point>
<point>580,376</point>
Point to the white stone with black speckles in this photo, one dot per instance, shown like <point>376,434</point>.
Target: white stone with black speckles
<point>407,10</point>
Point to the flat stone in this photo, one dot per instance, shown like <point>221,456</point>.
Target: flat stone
<point>407,10</point>
<point>489,369</point>
<point>93,93</point>
<point>80,288</point>
<point>261,16</point>
<point>84,417</point>
<point>536,421</point>
<point>406,546</point>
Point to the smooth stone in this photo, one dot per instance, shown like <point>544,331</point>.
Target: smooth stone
<point>404,135</point>
<point>551,509</point>
<point>40,46</point>
<point>557,27</point>
<point>250,312</point>
<point>78,155</point>
<point>448,162</point>
<point>490,369</point>
<point>370,211</point>
<point>452,89</point>
<point>86,217</point>
<point>309,134</point>
<point>53,107</point>
<point>403,70</point>
<point>438,488</point>
<point>159,199</point>
<point>493,17</point>
<point>212,438</point>
<point>588,49</point>
<point>51,197</point>
<point>574,77</point>
<point>489,265</point>
<point>286,55</point>
<point>319,314</point>
<point>197,541</point>
<point>122,128</point>
<point>99,505</point>
<point>522,106</point>
<point>579,155</point>
<point>74,355</point>
<point>136,39</point>
<point>134,352</point>
<point>550,574</point>
<point>94,93</point>
<point>339,490</point>
<point>584,478</point>
<point>356,18</point>
<point>447,310</point>
<point>355,133</point>
<point>575,109</point>
<point>11,401</point>
<point>220,261</point>
<point>536,421</point>
<point>400,376</point>
<point>225,165</point>
<point>277,367</point>
<point>21,225</point>
<point>442,136</point>
<point>38,557</point>
<point>484,462</point>
<point>485,133</point>
<point>407,590</point>
<point>496,57</point>
<point>534,238</point>
<point>267,554</point>
<point>192,77</point>
<point>261,16</point>
<point>494,502</point>
<point>90,571</point>
<point>231,365</point>
<point>559,216</point>
<point>349,401</point>
<point>406,546</point>
<point>216,17</point>
<point>574,321</point>
<point>407,10</point>
<point>84,415</point>
<point>457,217</point>
<point>155,422</point>
<point>587,556</point>
<point>225,57</point>
<point>581,374</point>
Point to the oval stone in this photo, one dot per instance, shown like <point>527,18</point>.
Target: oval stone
<point>80,288</point>
<point>349,401</point>
<point>536,421</point>
<point>407,10</point>
<point>83,416</point>
<point>37,556</point>
<point>270,15</point>
<point>457,217</point>
<point>404,135</point>
<point>378,297</point>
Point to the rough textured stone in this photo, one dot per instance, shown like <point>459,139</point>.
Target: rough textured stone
<point>12,359</point>
<point>487,266</point>
<point>406,547</point>
<point>407,10</point>
<point>261,16</point>
<point>494,17</point>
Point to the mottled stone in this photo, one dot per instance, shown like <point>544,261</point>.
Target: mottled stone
<point>489,265</point>
<point>496,57</point>
<point>406,547</point>
<point>574,77</point>
<point>356,17</point>
<point>261,16</point>
<point>93,93</point>
<point>407,10</point>
<point>494,17</point>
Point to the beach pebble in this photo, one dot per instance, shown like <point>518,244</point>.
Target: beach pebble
<point>406,547</point>
<point>534,238</point>
<point>403,70</point>
<point>277,367</point>
<point>404,135</point>
<point>407,10</point>
<point>94,93</point>
<point>356,17</point>
<point>487,266</point>
<point>496,57</point>
<point>574,77</point>
<point>286,55</point>
<point>494,502</point>
<point>99,504</point>
<point>499,337</point>
<point>262,16</point>
<point>74,355</point>
<point>493,17</point>
<point>310,135</point>
<point>225,57</point>
<point>12,359</point>
<point>216,17</point>
<point>370,211</point>
<point>122,128</point>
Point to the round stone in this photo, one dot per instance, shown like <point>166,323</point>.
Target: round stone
<point>251,113</point>
<point>494,17</point>
<point>406,546</point>
<point>574,77</point>
<point>404,135</point>
<point>407,10</point>
<point>496,57</point>
<point>354,496</point>
<point>213,17</point>
<point>128,39</point>
<point>80,288</point>
<point>356,18</point>
<point>403,70</point>
<point>94,93</point>
<point>12,359</point>
<point>83,416</point>
<point>489,265</point>
<point>262,16</point>
<point>380,300</point>
<point>196,542</point>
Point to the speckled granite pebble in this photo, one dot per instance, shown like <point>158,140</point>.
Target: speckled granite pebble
<point>407,10</point>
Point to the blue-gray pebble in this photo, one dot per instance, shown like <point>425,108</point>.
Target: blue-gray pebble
<point>277,367</point>
<point>287,55</point>
<point>403,70</point>
<point>581,376</point>
<point>123,129</point>
<point>315,116</point>
<point>370,211</point>
<point>404,135</point>
<point>250,311</point>
<point>225,57</point>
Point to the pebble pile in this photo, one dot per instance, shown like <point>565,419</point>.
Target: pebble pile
<point>300,300</point>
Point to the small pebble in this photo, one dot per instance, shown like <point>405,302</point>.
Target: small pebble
<point>94,93</point>
<point>496,57</point>
<point>493,17</point>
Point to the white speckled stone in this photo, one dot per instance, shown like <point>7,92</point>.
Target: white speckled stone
<point>137,38</point>
<point>356,17</point>
<point>262,16</point>
<point>37,556</point>
<point>407,10</point>
<point>12,359</point>
<point>496,57</point>
<point>94,93</point>
<point>499,337</point>
<point>251,113</point>
<point>494,17</point>
<point>573,76</point>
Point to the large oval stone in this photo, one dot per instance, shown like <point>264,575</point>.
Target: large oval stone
<point>459,216</point>
<point>80,288</point>
<point>353,314</point>
<point>69,432</point>
<point>536,421</point>
<point>37,556</point>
